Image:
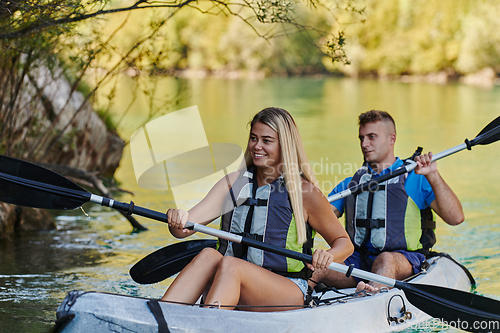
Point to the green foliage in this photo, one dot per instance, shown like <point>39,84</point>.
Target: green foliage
<point>253,44</point>
<point>480,45</point>
<point>335,47</point>
<point>274,11</point>
<point>108,119</point>
<point>424,36</point>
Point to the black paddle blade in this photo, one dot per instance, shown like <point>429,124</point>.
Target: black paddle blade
<point>167,261</point>
<point>27,184</point>
<point>463,310</point>
<point>489,134</point>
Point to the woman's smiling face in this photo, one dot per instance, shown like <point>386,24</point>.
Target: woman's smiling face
<point>264,146</point>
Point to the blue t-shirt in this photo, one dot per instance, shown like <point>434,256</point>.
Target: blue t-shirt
<point>417,187</point>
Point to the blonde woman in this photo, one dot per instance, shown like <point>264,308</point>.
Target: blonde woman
<point>275,200</point>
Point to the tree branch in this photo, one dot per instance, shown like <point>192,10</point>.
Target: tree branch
<point>37,26</point>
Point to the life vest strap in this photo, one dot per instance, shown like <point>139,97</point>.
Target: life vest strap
<point>305,273</point>
<point>428,224</point>
<point>256,237</point>
<point>370,223</point>
<point>427,219</point>
<point>255,202</point>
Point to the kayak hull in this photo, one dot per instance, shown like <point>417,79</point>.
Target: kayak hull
<point>104,312</point>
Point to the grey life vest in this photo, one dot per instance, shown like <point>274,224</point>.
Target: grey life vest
<point>263,213</point>
<point>387,216</point>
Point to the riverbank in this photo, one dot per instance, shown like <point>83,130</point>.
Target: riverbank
<point>46,121</point>
<point>486,78</point>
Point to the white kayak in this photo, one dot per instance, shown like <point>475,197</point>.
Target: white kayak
<point>385,311</point>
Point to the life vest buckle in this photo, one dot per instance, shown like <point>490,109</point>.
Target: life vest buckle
<point>252,202</point>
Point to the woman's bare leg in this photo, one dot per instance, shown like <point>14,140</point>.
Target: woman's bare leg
<point>238,282</point>
<point>194,278</point>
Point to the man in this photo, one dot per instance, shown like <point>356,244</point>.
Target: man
<point>391,227</point>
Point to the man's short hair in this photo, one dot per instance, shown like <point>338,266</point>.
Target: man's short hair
<point>373,116</point>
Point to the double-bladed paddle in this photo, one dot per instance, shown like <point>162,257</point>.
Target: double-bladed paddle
<point>27,184</point>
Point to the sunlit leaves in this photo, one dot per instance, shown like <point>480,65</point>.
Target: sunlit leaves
<point>335,48</point>
<point>274,11</point>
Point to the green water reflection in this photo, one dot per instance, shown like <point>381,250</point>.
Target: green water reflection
<point>96,254</point>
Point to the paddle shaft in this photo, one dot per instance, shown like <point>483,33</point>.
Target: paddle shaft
<point>288,253</point>
<point>399,171</point>
<point>84,196</point>
<point>129,208</point>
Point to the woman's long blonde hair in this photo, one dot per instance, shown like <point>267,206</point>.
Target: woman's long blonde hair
<point>294,162</point>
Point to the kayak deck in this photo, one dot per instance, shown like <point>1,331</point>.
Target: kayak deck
<point>104,312</point>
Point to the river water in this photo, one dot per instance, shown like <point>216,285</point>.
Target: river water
<point>96,252</point>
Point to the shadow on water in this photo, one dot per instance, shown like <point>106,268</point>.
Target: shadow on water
<point>34,266</point>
